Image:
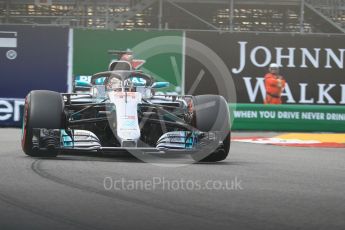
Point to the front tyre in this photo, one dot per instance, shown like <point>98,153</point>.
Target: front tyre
<point>211,113</point>
<point>43,109</point>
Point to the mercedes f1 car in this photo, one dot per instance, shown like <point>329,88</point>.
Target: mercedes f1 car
<point>118,110</point>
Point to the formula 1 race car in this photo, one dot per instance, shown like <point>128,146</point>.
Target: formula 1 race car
<point>118,110</point>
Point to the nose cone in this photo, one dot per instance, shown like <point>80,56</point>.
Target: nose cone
<point>126,103</point>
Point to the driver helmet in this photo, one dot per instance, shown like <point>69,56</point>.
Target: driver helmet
<point>114,84</point>
<point>128,83</point>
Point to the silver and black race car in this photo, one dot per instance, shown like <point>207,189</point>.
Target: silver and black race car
<point>117,111</point>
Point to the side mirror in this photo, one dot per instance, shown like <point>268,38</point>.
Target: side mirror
<point>159,85</point>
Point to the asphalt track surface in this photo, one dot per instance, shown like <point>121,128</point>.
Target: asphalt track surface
<point>279,188</point>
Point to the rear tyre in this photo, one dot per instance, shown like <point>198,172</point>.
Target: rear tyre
<point>211,113</point>
<point>43,109</point>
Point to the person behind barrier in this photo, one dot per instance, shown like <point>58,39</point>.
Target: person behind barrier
<point>274,84</point>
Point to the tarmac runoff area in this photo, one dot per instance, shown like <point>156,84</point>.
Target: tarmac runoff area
<point>259,186</point>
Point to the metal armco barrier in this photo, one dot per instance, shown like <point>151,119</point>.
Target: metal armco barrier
<point>288,117</point>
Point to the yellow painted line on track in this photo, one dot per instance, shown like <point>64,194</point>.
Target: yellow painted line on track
<point>322,137</point>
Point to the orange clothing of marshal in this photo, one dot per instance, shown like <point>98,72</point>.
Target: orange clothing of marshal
<point>274,85</point>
